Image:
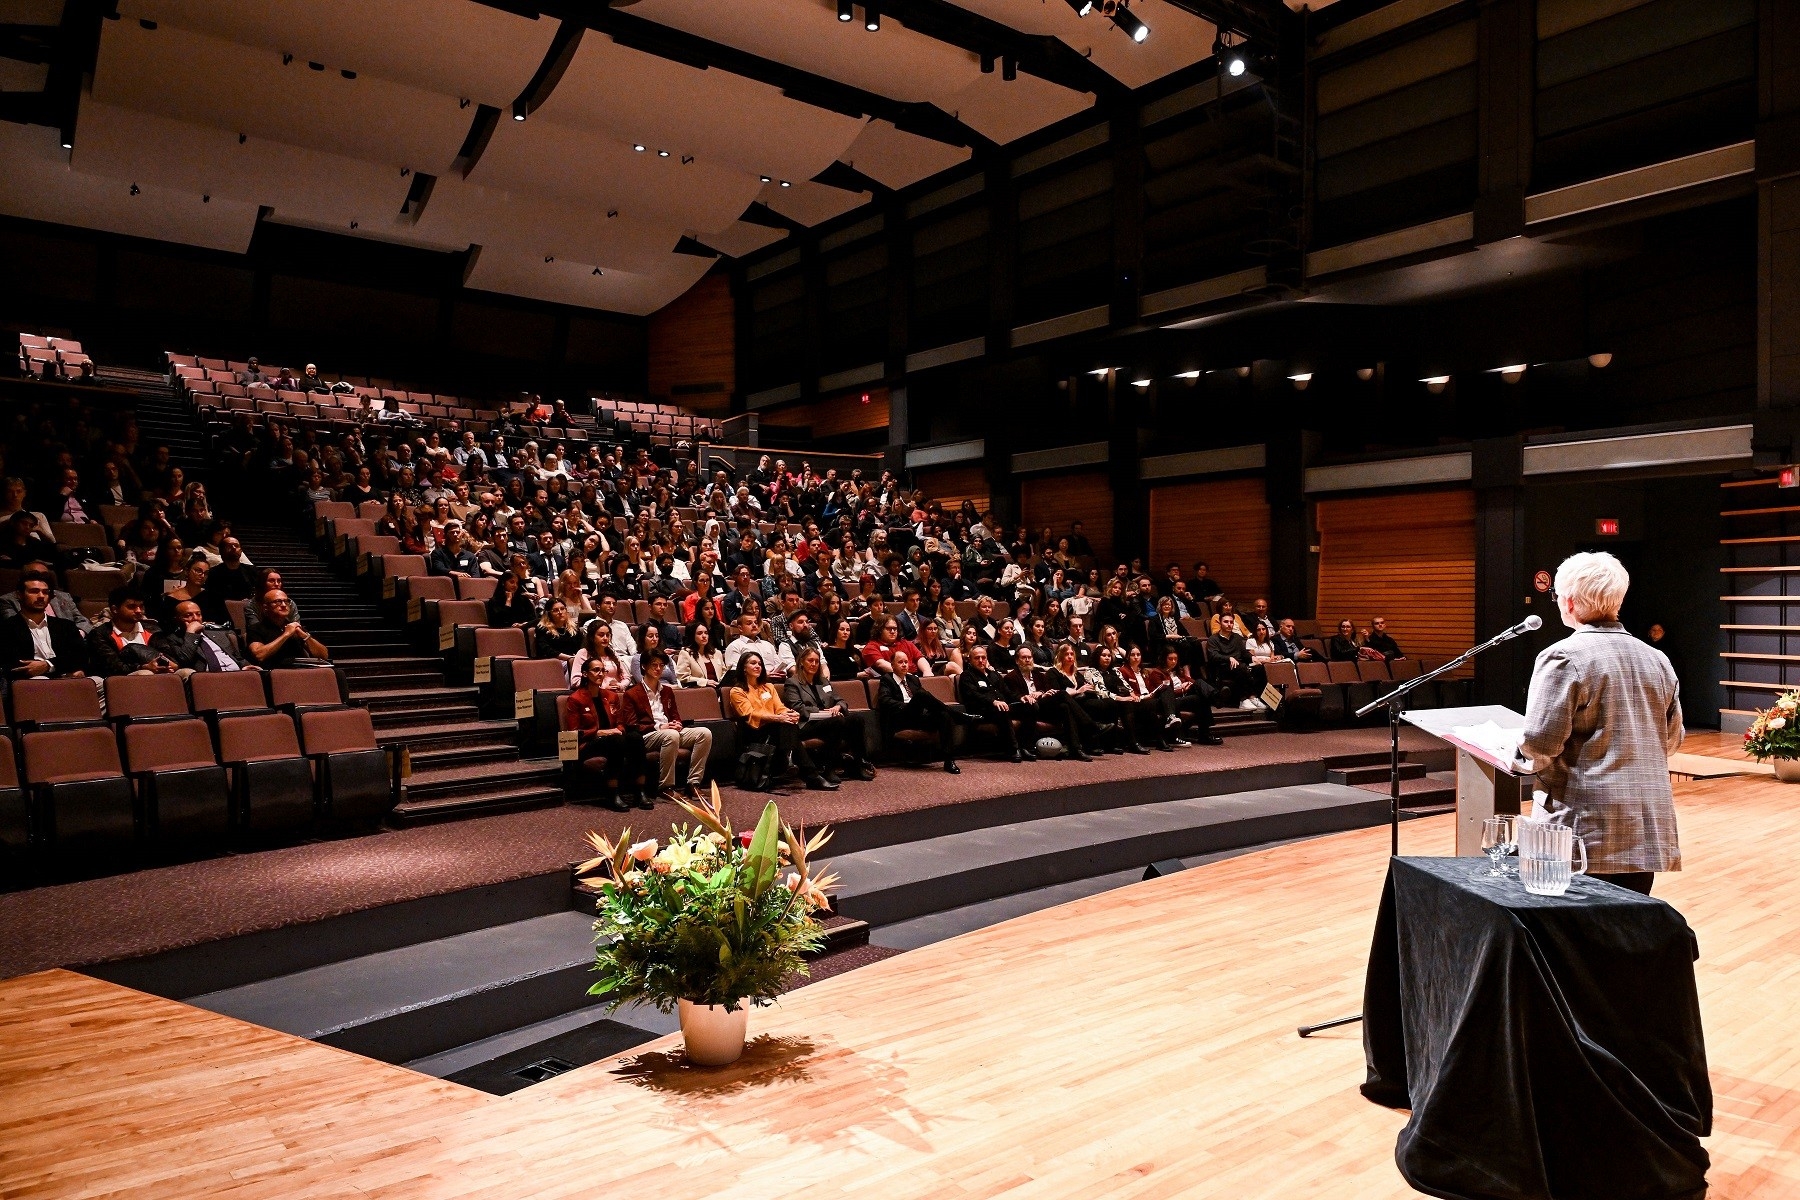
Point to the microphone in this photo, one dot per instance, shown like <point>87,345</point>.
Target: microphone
<point>1533,622</point>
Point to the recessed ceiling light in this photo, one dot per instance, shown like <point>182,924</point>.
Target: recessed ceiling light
<point>638,146</point>
<point>767,179</point>
<point>785,183</point>
<point>1301,380</point>
<point>662,154</point>
<point>1511,374</point>
<point>846,10</point>
<point>1435,384</point>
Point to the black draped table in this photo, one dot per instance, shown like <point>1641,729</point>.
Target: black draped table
<point>1549,1047</point>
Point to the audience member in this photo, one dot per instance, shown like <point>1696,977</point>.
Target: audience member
<point>905,705</point>
<point>276,640</point>
<point>1343,646</point>
<point>765,720</point>
<point>983,693</point>
<point>123,646</point>
<point>1380,642</point>
<point>62,604</point>
<point>600,737</point>
<point>649,710</point>
<point>823,715</point>
<point>192,645</point>
<point>35,643</point>
<point>699,664</point>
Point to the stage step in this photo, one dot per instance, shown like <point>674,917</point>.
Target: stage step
<point>1421,794</point>
<point>420,999</point>
<point>896,882</point>
<point>1374,773</point>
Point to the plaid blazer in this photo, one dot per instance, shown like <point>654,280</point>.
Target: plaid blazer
<point>1602,716</point>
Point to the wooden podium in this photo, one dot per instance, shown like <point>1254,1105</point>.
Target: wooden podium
<point>1486,785</point>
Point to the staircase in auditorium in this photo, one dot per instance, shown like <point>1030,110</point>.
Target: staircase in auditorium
<point>462,764</point>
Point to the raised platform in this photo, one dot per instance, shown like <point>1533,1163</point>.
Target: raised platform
<point>164,909</point>
<point>1136,1043</point>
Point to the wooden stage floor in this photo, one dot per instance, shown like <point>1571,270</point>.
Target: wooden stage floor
<point>1136,1044</point>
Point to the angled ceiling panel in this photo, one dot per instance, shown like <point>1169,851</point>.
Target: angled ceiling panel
<point>132,146</point>
<point>721,119</point>
<point>894,62</point>
<point>460,212</point>
<point>454,47</point>
<point>40,184</point>
<point>741,238</point>
<point>1005,111</point>
<point>1177,38</point>
<point>207,81</point>
<point>896,158</point>
<point>568,282</point>
<point>809,203</point>
<point>546,158</point>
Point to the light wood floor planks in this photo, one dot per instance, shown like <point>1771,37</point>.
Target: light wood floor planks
<point>1136,1044</point>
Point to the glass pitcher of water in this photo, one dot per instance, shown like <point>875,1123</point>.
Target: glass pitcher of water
<point>1545,850</point>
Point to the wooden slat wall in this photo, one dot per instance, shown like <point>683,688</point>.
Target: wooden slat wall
<point>1223,522</point>
<point>950,486</point>
<point>693,346</point>
<point>835,416</point>
<point>1056,500</point>
<point>1409,558</point>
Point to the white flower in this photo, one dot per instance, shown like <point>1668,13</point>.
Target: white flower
<point>644,851</point>
<point>1777,723</point>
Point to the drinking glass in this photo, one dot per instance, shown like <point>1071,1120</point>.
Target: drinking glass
<point>1496,839</point>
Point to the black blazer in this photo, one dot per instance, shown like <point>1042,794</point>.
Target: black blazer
<point>809,698</point>
<point>183,648</point>
<point>16,648</point>
<point>106,657</point>
<point>892,708</point>
<point>978,690</point>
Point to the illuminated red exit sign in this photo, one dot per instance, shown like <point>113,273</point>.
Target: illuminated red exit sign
<point>1607,526</point>
<point>1788,477</point>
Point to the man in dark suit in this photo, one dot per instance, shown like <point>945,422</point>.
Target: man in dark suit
<point>547,562</point>
<point>195,646</point>
<point>62,604</point>
<point>824,715</point>
<point>453,557</point>
<point>983,693</point>
<point>905,704</point>
<point>34,643</point>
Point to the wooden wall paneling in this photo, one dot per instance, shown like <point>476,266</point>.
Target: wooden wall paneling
<point>950,486</point>
<point>1223,522</point>
<point>693,355</point>
<point>836,415</point>
<point>1407,557</point>
<point>1058,500</point>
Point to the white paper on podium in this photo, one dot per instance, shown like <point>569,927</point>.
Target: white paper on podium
<point>1455,725</point>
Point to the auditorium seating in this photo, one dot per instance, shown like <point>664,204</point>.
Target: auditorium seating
<point>272,784</point>
<point>355,778</point>
<point>83,799</point>
<point>52,703</point>
<point>182,786</point>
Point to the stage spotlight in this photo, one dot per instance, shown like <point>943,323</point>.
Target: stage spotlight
<point>1132,24</point>
<point>846,10</point>
<point>518,110</point>
<point>1365,373</point>
<point>871,18</point>
<point>1435,384</point>
<point>1009,69</point>
<point>1301,380</point>
<point>1082,7</point>
<point>1232,59</point>
<point>1600,361</point>
<point>1511,374</point>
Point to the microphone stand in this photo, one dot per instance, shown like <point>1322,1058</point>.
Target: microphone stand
<point>1395,702</point>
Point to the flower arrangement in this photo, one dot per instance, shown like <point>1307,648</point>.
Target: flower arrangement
<point>1775,732</point>
<point>709,918</point>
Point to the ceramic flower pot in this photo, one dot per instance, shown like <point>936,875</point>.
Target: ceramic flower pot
<point>1787,769</point>
<point>714,1036</point>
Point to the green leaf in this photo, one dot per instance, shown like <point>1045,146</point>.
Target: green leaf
<point>760,862</point>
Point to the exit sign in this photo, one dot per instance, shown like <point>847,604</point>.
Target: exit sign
<point>1789,477</point>
<point>1607,526</point>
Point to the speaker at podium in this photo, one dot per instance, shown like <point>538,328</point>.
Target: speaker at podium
<point>1489,779</point>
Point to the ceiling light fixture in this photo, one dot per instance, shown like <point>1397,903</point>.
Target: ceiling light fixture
<point>662,154</point>
<point>518,110</point>
<point>1242,372</point>
<point>846,10</point>
<point>871,18</point>
<point>1435,384</point>
<point>1511,374</point>
<point>1129,22</point>
<point>1301,380</point>
<point>1600,361</point>
<point>1009,69</point>
<point>638,146</point>
<point>1190,376</point>
<point>1365,373</point>
<point>134,189</point>
<point>987,64</point>
<point>785,183</point>
<point>1140,383</point>
<point>598,271</point>
<point>1082,7</point>
<point>1099,372</point>
<point>549,258</point>
<point>766,179</point>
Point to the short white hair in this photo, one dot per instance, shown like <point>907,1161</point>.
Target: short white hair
<point>1595,583</point>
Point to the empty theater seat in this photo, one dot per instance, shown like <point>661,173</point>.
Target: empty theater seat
<point>304,688</point>
<point>145,697</point>
<point>272,786</point>
<point>15,813</point>
<point>183,788</point>
<point>224,692</point>
<point>79,788</point>
<point>356,784</point>
<point>44,703</point>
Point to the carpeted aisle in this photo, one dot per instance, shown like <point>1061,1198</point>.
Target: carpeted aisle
<point>126,916</point>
